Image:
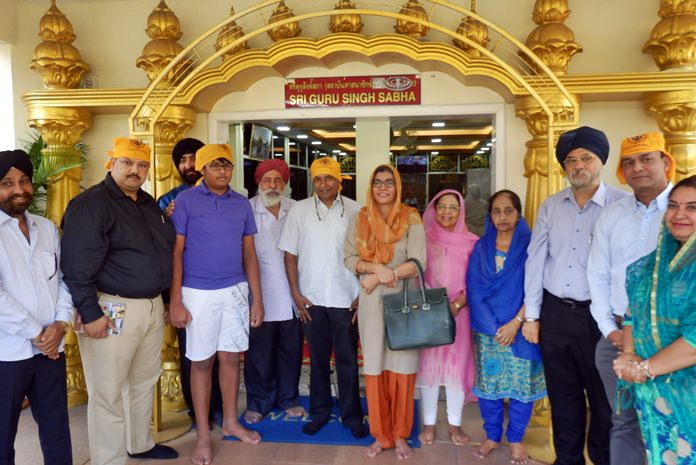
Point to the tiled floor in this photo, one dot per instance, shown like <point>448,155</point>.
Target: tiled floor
<point>228,453</point>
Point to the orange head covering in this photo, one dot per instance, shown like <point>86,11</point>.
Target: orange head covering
<point>211,152</point>
<point>377,235</point>
<point>130,148</point>
<point>327,165</point>
<point>643,143</point>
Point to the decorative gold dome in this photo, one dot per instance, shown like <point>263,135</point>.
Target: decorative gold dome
<point>672,42</point>
<point>552,41</point>
<point>229,34</point>
<point>411,29</point>
<point>59,63</point>
<point>473,30</point>
<point>164,30</point>
<point>286,31</point>
<point>676,7</point>
<point>345,22</point>
<point>550,11</point>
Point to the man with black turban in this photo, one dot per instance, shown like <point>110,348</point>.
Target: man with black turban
<point>557,298</point>
<point>35,311</point>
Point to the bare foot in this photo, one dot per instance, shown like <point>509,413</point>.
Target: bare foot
<point>252,417</point>
<point>247,436</point>
<point>403,451</point>
<point>203,454</point>
<point>296,411</point>
<point>457,435</point>
<point>427,437</point>
<point>518,454</point>
<point>485,448</point>
<point>374,449</point>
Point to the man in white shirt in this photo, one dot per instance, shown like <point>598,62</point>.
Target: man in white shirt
<point>272,363</point>
<point>325,294</point>
<point>624,232</point>
<point>35,310</point>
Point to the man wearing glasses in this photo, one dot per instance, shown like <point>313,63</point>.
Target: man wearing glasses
<point>557,298</point>
<point>325,294</point>
<point>215,270</point>
<point>117,261</point>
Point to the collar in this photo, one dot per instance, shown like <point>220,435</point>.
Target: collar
<point>203,188</point>
<point>116,192</point>
<point>660,201</point>
<point>260,208</point>
<point>31,221</point>
<point>599,197</point>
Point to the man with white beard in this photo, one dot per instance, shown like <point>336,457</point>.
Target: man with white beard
<point>272,363</point>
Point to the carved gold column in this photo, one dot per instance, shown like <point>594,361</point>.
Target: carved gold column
<point>554,43</point>
<point>672,45</point>
<point>171,127</point>
<point>61,67</point>
<point>164,29</point>
<point>536,156</point>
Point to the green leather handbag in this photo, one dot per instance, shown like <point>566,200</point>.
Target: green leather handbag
<point>418,318</point>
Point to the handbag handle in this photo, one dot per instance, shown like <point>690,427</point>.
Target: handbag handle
<point>425,305</point>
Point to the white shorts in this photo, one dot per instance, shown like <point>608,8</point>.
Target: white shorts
<point>219,321</point>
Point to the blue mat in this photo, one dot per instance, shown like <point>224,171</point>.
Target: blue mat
<point>278,427</point>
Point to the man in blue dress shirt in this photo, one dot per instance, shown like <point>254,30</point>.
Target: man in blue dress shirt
<point>624,232</point>
<point>557,298</point>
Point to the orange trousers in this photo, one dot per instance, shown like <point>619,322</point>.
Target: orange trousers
<point>390,406</point>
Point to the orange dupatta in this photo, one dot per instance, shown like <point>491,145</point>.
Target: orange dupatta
<point>376,236</point>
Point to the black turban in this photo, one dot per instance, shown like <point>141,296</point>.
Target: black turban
<point>15,159</point>
<point>584,137</point>
<point>184,147</point>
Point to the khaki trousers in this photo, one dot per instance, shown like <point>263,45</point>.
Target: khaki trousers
<point>120,372</point>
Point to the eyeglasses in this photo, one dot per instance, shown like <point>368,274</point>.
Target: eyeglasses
<point>444,208</point>
<point>217,166</point>
<point>128,163</point>
<point>388,183</point>
<point>572,161</point>
<point>338,199</point>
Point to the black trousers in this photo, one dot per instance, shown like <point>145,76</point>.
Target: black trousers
<point>215,394</point>
<point>568,336</point>
<point>333,329</point>
<point>272,365</point>
<point>43,381</point>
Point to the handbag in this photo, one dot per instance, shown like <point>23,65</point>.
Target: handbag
<point>418,319</point>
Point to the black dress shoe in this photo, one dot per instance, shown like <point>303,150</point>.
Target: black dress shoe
<point>158,452</point>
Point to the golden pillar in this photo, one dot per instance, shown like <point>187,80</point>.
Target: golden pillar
<point>672,44</point>
<point>554,43</point>
<point>536,156</point>
<point>61,67</point>
<point>675,113</point>
<point>164,29</point>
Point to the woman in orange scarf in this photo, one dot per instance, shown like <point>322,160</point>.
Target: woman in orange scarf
<point>379,241</point>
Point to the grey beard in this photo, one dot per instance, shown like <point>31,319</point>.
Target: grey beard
<point>270,201</point>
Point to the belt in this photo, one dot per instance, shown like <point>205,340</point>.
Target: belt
<point>619,319</point>
<point>570,303</point>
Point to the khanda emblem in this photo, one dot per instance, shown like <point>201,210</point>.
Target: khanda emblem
<point>324,161</point>
<point>637,139</point>
<point>137,144</point>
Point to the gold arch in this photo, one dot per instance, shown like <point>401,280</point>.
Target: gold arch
<point>507,61</point>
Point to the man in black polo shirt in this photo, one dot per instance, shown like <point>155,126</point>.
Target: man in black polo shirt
<point>117,260</point>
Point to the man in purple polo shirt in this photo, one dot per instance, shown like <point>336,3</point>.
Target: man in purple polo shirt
<point>214,269</point>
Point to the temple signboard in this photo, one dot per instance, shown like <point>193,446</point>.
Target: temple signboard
<point>352,91</point>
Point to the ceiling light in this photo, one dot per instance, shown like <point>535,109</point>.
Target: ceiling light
<point>479,152</point>
<point>436,141</point>
<point>283,128</point>
<point>302,136</point>
<point>275,137</point>
<point>490,144</point>
<point>316,142</point>
<point>336,151</point>
<point>291,143</point>
<point>343,154</point>
<point>485,149</point>
<point>353,126</point>
<point>434,153</point>
<point>438,124</point>
<point>493,140</point>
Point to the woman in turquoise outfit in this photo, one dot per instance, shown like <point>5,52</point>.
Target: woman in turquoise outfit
<point>659,358</point>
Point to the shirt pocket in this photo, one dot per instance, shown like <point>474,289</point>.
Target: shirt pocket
<point>48,265</point>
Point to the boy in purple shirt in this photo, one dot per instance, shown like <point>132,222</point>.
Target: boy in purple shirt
<point>215,268</point>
